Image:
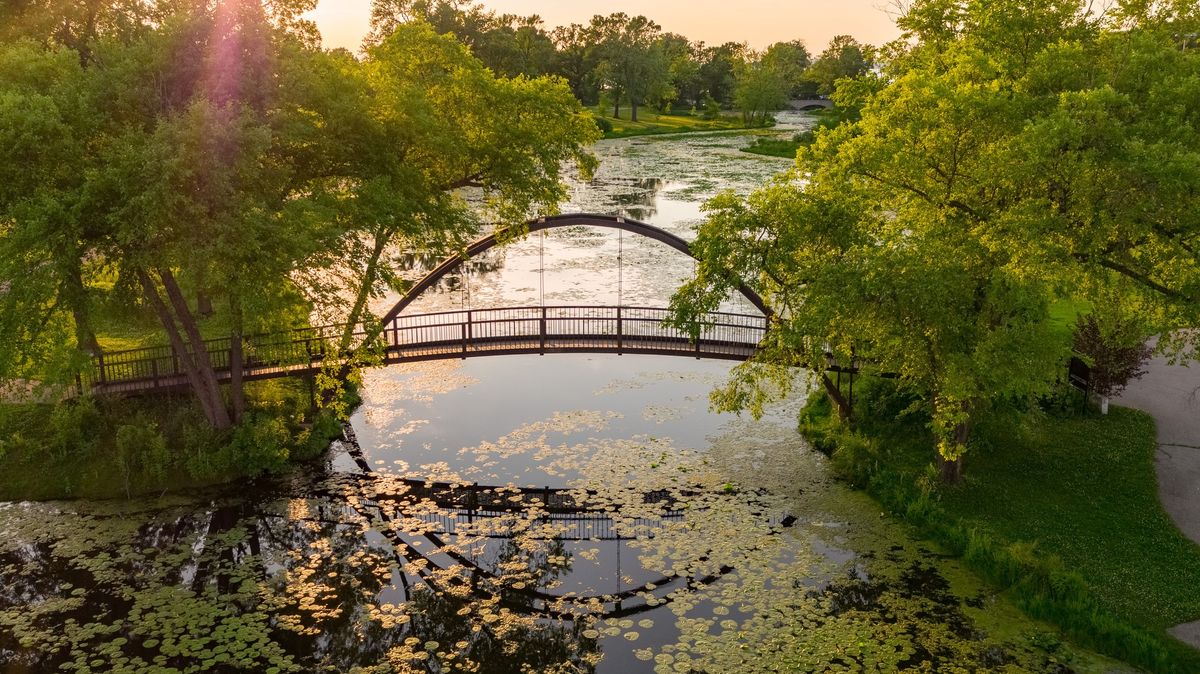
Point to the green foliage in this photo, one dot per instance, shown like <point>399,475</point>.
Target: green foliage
<point>633,65</point>
<point>118,448</point>
<point>762,88</point>
<point>789,60</point>
<point>604,125</point>
<point>777,147</point>
<point>980,181</point>
<point>259,446</point>
<point>1040,518</point>
<point>72,426</point>
<point>141,449</point>
<point>844,58</point>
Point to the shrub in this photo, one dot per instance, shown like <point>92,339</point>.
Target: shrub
<point>142,451</point>
<point>259,446</point>
<point>73,426</point>
<point>603,124</point>
<point>1116,350</point>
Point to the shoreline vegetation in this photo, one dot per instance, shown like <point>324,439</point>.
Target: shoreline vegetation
<point>652,124</point>
<point>786,148</point>
<point>1059,511</point>
<point>117,448</point>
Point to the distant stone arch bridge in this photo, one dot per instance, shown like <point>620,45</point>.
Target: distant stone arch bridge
<point>810,104</point>
<point>462,334</point>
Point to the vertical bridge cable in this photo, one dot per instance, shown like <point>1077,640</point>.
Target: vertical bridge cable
<point>620,263</point>
<point>462,286</point>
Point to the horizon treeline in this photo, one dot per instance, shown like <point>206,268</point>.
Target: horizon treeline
<point>620,62</point>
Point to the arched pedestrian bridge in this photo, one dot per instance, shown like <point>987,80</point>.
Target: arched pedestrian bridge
<point>461,334</point>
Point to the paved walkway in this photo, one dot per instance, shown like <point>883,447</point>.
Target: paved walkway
<point>1171,394</point>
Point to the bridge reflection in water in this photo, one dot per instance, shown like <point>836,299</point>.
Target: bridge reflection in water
<point>462,520</point>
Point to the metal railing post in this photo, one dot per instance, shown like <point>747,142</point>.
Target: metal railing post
<point>100,365</point>
<point>620,332</point>
<point>542,331</point>
<point>463,326</point>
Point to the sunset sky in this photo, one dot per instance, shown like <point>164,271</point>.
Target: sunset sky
<point>759,22</point>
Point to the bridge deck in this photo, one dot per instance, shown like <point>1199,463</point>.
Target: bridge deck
<point>447,335</point>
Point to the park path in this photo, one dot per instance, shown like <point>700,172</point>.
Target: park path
<point>1171,394</point>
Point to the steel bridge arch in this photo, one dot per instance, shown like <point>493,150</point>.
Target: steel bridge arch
<point>557,222</point>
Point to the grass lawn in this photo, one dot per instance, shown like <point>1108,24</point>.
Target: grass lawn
<point>120,327</point>
<point>1064,313</point>
<point>1085,490</point>
<point>650,123</point>
<point>775,147</point>
<point>1051,496</point>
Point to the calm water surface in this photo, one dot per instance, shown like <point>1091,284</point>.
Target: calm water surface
<point>561,513</point>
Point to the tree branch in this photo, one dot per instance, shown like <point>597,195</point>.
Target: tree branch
<point>1134,275</point>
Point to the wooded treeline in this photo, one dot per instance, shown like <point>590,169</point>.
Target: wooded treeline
<point>628,61</point>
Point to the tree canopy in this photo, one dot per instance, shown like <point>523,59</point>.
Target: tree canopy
<point>213,150</point>
<point>998,167</point>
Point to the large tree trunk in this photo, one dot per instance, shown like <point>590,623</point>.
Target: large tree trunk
<point>370,275</point>
<point>214,409</point>
<point>203,359</point>
<point>952,471</point>
<point>840,403</point>
<point>76,296</point>
<point>617,108</point>
<point>633,108</point>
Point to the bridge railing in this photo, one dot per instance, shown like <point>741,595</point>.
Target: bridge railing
<point>444,334</point>
<point>556,323</point>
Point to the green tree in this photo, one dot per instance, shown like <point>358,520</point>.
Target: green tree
<point>789,60</point>
<point>718,68</point>
<point>683,71</point>
<point>43,104</point>
<point>633,65</point>
<point>995,168</point>
<point>844,58</point>
<point>762,88</point>
<point>576,57</point>
<point>220,151</point>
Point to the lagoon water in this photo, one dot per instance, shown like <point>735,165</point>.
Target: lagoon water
<point>559,513</point>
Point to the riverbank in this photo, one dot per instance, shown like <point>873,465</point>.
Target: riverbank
<point>787,148</point>
<point>780,147</point>
<point>124,447</point>
<point>652,124</point>
<point>1060,511</point>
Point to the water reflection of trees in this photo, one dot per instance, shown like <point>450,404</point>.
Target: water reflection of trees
<point>637,198</point>
<point>297,584</point>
